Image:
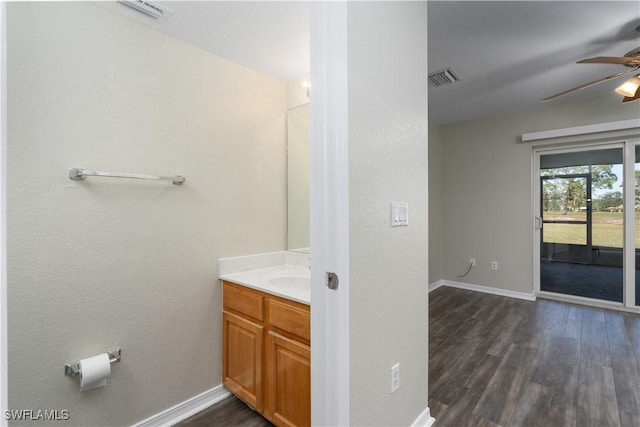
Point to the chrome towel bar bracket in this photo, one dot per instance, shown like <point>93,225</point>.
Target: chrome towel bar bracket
<point>79,174</point>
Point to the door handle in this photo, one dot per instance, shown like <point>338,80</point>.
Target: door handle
<point>538,223</point>
<point>332,281</point>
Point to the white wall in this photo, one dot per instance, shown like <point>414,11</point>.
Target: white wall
<point>107,262</point>
<point>486,178</point>
<point>297,92</point>
<point>388,267</point>
<point>436,238</point>
<point>3,210</point>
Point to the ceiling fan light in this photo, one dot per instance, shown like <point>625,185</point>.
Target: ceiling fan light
<point>632,98</point>
<point>629,87</point>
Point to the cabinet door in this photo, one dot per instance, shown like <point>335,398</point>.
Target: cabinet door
<point>289,381</point>
<point>242,359</point>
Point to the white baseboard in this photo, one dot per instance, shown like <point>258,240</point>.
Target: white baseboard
<point>435,285</point>
<point>424,419</point>
<point>184,410</point>
<point>484,289</point>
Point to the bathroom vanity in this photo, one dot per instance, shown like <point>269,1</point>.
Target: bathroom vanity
<point>266,341</point>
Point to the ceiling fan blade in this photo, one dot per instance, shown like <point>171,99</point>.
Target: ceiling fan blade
<point>586,85</point>
<point>622,60</point>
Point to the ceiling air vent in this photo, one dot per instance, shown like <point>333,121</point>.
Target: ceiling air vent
<point>442,78</point>
<point>151,9</point>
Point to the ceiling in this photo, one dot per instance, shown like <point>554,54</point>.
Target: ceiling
<point>511,54</point>
<point>269,36</point>
<point>508,54</point>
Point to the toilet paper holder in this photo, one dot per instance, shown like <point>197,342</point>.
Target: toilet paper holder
<point>73,369</point>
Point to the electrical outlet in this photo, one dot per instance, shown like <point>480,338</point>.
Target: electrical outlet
<point>395,377</point>
<point>472,261</point>
<point>494,265</point>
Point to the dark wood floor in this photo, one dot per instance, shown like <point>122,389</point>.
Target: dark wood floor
<point>498,361</point>
<point>229,412</point>
<point>507,362</point>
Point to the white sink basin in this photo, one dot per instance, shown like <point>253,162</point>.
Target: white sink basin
<point>286,281</point>
<point>291,282</point>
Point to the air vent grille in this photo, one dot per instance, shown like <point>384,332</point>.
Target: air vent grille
<point>442,78</point>
<point>151,9</point>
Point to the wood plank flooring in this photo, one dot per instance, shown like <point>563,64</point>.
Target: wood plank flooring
<point>497,361</point>
<point>228,413</point>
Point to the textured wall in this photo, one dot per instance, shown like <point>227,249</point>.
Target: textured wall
<point>388,268</point>
<point>128,263</point>
<point>487,209</point>
<point>436,238</point>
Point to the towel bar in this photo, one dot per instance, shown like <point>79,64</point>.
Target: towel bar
<point>79,174</point>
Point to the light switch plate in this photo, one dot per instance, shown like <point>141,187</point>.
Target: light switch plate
<point>399,214</point>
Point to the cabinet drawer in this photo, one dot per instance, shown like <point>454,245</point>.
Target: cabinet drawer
<point>290,318</point>
<point>243,300</point>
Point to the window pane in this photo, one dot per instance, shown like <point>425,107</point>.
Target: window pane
<point>575,234</point>
<point>564,199</point>
<point>608,230</point>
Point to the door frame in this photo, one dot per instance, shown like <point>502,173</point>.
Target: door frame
<point>628,151</point>
<point>329,213</point>
<point>629,274</point>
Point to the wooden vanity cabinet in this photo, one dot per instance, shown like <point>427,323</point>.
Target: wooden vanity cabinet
<point>243,344</point>
<point>266,353</point>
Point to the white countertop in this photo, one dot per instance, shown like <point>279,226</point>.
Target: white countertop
<point>282,274</point>
<point>261,280</point>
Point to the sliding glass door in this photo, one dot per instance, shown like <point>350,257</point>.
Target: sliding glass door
<point>581,221</point>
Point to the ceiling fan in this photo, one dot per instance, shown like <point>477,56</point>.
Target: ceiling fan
<point>630,89</point>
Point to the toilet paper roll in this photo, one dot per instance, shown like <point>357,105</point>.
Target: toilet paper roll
<point>94,371</point>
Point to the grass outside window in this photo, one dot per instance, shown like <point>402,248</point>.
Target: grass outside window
<point>608,229</point>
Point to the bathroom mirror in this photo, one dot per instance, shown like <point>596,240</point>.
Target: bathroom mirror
<point>298,179</point>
